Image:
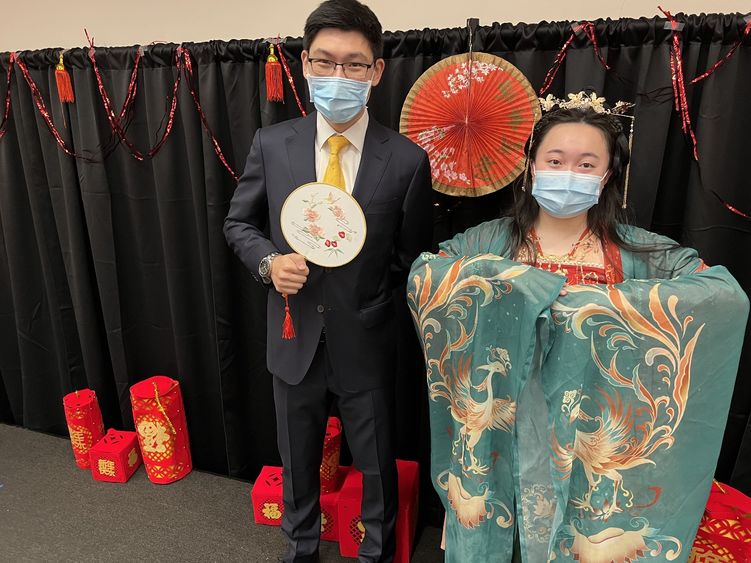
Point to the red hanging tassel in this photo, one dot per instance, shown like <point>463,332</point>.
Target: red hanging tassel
<point>64,85</point>
<point>274,84</point>
<point>288,329</point>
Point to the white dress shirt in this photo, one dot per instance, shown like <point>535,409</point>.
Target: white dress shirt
<point>349,156</point>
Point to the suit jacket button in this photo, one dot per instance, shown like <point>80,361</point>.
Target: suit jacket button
<point>320,308</point>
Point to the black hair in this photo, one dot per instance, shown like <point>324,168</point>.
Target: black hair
<point>603,218</point>
<point>346,15</point>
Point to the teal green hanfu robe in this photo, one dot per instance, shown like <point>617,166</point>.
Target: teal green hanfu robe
<point>587,424</point>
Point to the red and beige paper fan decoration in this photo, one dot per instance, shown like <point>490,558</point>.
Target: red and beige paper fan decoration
<point>473,119</point>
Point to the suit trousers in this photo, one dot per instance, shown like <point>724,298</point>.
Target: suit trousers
<point>302,411</point>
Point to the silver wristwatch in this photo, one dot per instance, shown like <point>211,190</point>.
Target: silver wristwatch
<point>264,268</point>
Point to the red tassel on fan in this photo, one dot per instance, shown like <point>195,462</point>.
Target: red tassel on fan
<point>64,85</point>
<point>274,84</point>
<point>288,329</point>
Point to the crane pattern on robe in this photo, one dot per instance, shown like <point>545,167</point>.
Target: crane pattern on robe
<point>471,398</point>
<point>625,435</point>
<point>614,398</point>
<point>616,431</point>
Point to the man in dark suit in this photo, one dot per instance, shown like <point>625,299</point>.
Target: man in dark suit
<point>345,348</point>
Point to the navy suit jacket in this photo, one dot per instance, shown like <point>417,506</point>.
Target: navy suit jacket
<point>353,302</point>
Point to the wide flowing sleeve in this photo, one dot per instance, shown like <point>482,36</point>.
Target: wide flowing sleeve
<point>478,319</point>
<point>590,422</point>
<point>637,385</point>
<point>486,238</point>
<point>663,258</point>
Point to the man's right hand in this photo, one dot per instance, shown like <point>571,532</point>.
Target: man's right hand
<point>289,272</point>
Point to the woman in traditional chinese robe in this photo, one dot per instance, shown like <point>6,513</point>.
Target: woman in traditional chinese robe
<point>579,370</point>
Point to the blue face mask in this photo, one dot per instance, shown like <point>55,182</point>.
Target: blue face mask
<point>338,99</point>
<point>565,194</point>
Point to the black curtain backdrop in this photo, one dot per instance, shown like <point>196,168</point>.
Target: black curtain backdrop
<point>113,270</point>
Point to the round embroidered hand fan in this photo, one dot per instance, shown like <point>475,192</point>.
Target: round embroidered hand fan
<point>473,130</point>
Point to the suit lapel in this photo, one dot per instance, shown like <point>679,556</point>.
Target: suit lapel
<point>301,151</point>
<point>375,156</point>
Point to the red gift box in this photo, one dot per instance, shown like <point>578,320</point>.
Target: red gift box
<point>159,416</point>
<point>330,475</point>
<point>84,423</point>
<point>266,496</point>
<point>330,509</point>
<point>268,506</point>
<point>351,529</point>
<point>115,457</point>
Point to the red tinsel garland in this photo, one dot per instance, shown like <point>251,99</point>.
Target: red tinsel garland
<point>724,59</point>
<point>188,66</point>
<point>6,114</point>
<point>42,108</point>
<point>679,83</point>
<point>291,81</point>
<point>115,121</point>
<point>588,28</point>
<point>132,85</point>
<point>183,64</point>
<point>681,100</point>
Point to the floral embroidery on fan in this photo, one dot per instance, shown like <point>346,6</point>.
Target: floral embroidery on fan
<point>316,231</point>
<point>458,81</point>
<point>442,160</point>
<point>444,167</point>
<point>311,215</point>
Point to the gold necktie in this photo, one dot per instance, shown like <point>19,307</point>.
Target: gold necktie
<point>334,174</point>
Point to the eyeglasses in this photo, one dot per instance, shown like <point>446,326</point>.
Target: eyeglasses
<point>325,67</point>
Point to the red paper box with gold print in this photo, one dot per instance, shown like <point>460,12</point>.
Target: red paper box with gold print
<point>268,505</point>
<point>84,423</point>
<point>266,496</point>
<point>332,444</point>
<point>330,508</point>
<point>351,529</point>
<point>115,457</point>
<point>159,416</point>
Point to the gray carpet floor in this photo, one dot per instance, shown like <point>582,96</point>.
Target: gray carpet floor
<point>52,511</point>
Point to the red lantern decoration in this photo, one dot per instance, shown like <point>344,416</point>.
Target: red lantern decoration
<point>159,416</point>
<point>84,423</point>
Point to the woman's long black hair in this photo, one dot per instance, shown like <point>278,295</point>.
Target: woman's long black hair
<point>603,218</point>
